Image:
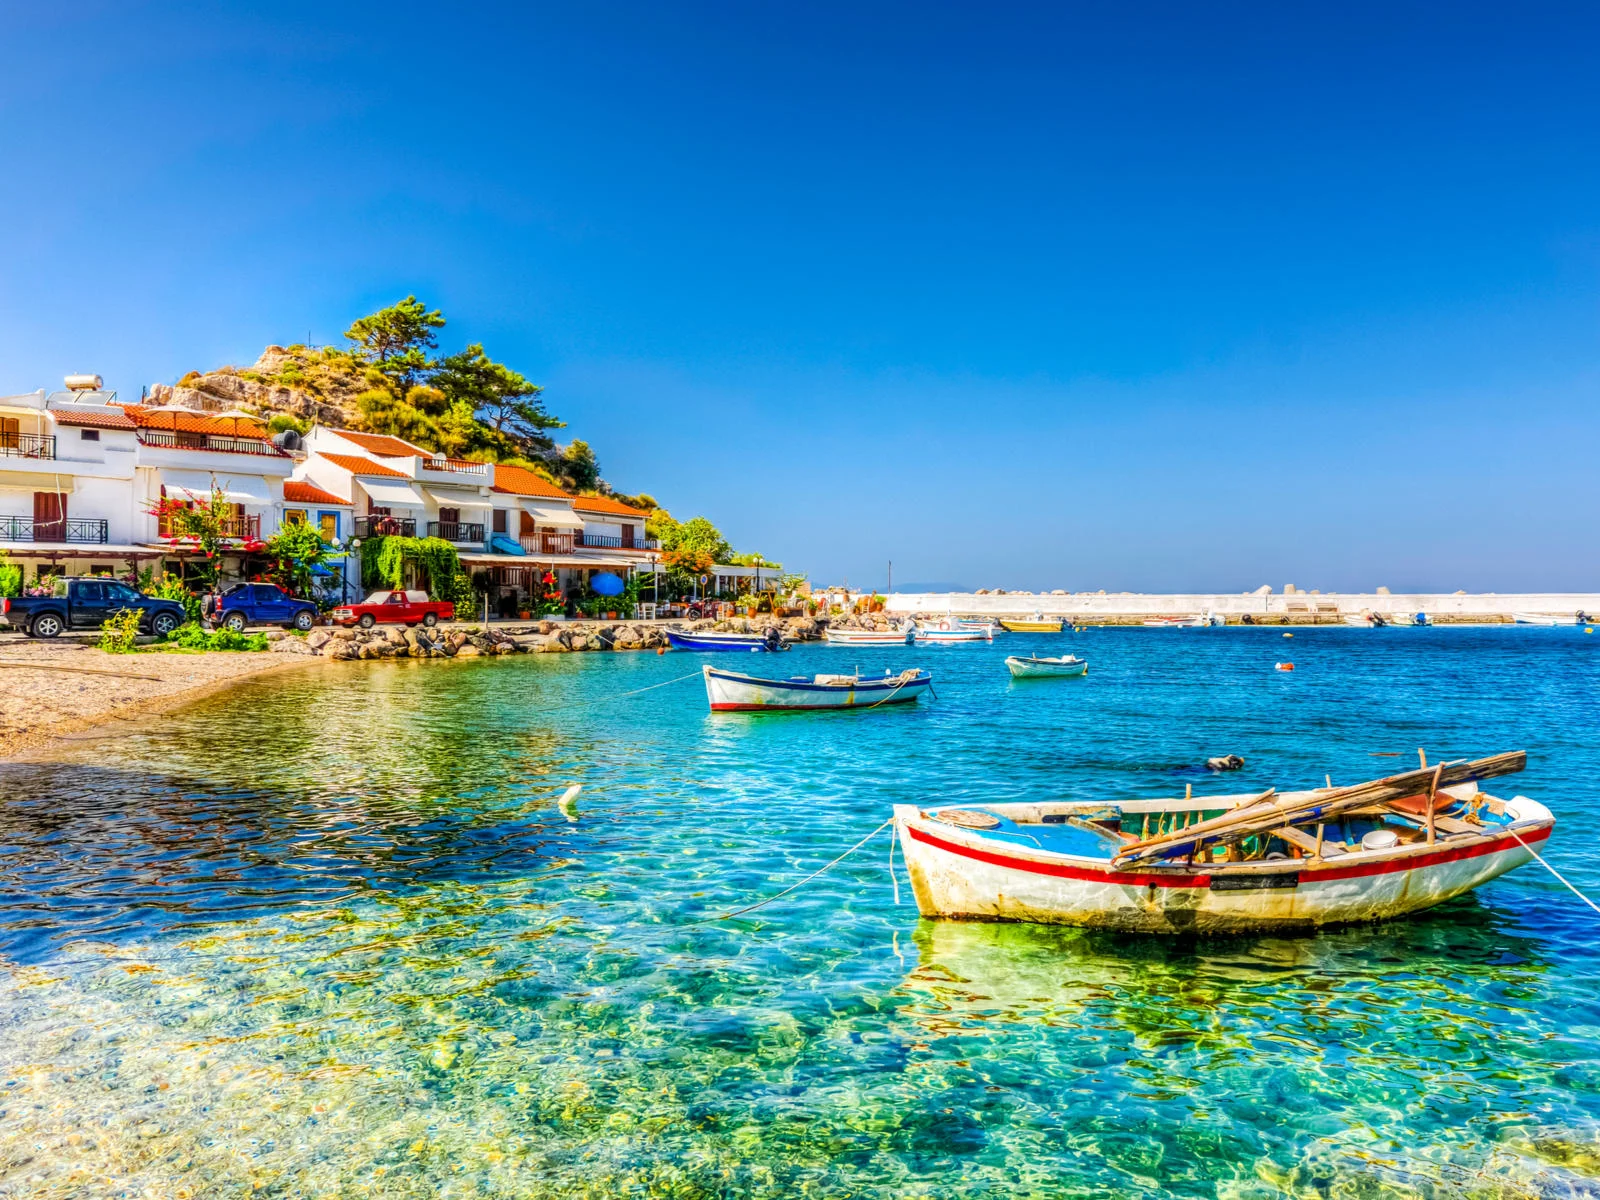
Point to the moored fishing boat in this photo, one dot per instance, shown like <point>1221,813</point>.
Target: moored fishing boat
<point>1034,624</point>
<point>1523,618</point>
<point>1368,620</point>
<point>984,623</point>
<point>1034,667</point>
<point>709,641</point>
<point>1224,864</point>
<point>950,631</point>
<point>729,691</point>
<point>1198,621</point>
<point>869,637</point>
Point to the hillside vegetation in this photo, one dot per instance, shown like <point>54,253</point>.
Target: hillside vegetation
<point>389,378</point>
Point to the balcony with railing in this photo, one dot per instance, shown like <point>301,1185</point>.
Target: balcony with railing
<point>547,543</point>
<point>611,541</point>
<point>369,527</point>
<point>27,445</point>
<point>456,531</point>
<point>85,530</point>
<point>474,472</point>
<point>244,528</point>
<point>227,444</point>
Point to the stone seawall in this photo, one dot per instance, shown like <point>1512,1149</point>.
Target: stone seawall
<point>1125,607</point>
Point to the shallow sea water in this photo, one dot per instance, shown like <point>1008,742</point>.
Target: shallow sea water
<point>328,935</point>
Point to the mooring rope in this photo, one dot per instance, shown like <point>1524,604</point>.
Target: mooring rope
<point>635,692</point>
<point>780,895</point>
<point>1554,872</point>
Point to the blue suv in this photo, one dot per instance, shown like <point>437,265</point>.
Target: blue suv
<point>258,604</point>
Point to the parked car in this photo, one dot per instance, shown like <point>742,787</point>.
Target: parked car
<point>395,608</point>
<point>257,604</point>
<point>86,603</point>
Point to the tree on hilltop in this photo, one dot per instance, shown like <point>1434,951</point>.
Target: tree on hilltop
<point>395,342</point>
<point>501,398</point>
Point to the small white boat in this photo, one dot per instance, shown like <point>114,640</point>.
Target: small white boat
<point>868,637</point>
<point>1367,620</point>
<point>982,623</point>
<point>729,691</point>
<point>1224,864</point>
<point>1522,618</point>
<point>951,631</point>
<point>1034,667</point>
<point>1201,621</point>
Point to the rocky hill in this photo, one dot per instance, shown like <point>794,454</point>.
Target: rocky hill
<point>311,384</point>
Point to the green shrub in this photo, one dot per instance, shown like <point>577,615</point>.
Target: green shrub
<point>195,637</point>
<point>10,580</point>
<point>118,633</point>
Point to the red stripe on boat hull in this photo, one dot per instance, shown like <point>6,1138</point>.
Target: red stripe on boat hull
<point>1307,874</point>
<point>808,707</point>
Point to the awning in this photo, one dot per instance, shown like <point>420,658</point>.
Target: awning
<point>553,515</point>
<point>547,560</point>
<point>197,485</point>
<point>35,481</point>
<point>391,494</point>
<point>446,500</point>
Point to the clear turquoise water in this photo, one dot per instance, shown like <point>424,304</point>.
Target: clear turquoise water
<point>327,935</point>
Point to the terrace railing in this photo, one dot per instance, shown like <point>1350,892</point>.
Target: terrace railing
<point>547,543</point>
<point>27,445</point>
<point>208,441</point>
<point>613,541</point>
<point>367,527</point>
<point>457,466</point>
<point>85,530</point>
<point>456,531</point>
<point>246,528</point>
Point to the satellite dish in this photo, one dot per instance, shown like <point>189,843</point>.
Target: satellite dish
<point>286,439</point>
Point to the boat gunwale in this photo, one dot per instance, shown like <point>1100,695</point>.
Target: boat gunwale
<point>1352,864</point>
<point>872,683</point>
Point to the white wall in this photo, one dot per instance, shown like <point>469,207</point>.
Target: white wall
<point>1180,604</point>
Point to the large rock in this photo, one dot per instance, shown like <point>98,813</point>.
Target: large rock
<point>293,645</point>
<point>341,649</point>
<point>468,650</point>
<point>318,638</point>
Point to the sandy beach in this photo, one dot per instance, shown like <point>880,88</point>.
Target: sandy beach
<point>51,689</point>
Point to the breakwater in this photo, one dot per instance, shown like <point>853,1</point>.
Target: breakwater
<point>1291,607</point>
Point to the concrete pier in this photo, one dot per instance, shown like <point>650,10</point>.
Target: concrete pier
<point>1327,608</point>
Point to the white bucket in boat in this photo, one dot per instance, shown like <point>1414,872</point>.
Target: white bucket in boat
<point>1380,839</point>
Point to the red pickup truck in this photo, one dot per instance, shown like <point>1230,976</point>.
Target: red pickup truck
<point>395,608</point>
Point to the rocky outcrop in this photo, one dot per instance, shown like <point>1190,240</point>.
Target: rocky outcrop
<point>306,383</point>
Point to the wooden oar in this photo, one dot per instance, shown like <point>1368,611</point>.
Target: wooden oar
<point>1267,812</point>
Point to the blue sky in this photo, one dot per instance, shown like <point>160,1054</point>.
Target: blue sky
<point>1083,297</point>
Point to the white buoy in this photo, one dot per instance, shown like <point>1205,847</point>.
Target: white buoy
<point>568,804</point>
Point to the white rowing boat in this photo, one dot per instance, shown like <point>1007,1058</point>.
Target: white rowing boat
<point>1223,864</point>
<point>729,691</point>
<point>1201,621</point>
<point>1034,667</point>
<point>951,631</point>
<point>868,637</point>
<point>1522,618</point>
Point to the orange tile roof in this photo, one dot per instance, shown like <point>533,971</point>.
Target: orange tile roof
<point>195,422</point>
<point>382,444</point>
<point>519,481</point>
<point>110,418</point>
<point>604,504</point>
<point>362,466</point>
<point>298,491</point>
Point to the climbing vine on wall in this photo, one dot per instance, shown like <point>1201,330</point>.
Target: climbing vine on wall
<point>384,561</point>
